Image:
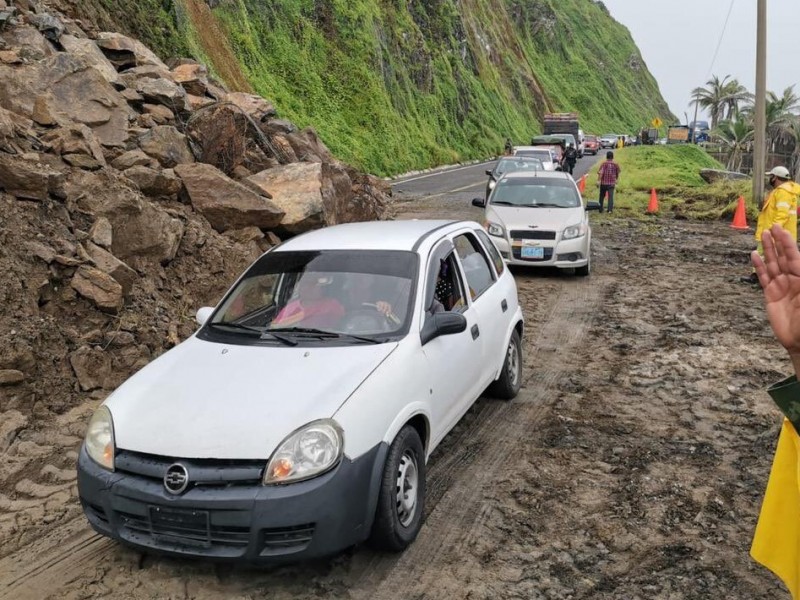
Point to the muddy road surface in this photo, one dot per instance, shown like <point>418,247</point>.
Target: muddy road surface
<point>631,466</point>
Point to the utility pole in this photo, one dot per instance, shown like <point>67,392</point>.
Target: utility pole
<point>759,152</point>
<point>694,125</point>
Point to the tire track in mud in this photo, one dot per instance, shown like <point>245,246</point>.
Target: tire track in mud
<point>43,567</point>
<point>455,517</point>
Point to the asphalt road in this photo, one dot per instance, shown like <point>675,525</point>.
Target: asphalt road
<point>464,182</point>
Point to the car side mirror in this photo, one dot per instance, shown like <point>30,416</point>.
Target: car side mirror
<point>489,172</point>
<point>592,206</point>
<point>479,202</point>
<point>203,314</point>
<point>442,323</point>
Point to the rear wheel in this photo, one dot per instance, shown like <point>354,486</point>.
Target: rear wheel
<point>401,500</point>
<point>507,385</point>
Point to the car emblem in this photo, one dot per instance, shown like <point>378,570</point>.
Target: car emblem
<point>533,226</point>
<point>176,479</point>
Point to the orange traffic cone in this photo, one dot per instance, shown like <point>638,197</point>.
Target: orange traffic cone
<point>740,216</point>
<point>652,207</point>
<point>582,184</point>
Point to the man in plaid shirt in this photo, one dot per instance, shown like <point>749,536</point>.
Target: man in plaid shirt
<point>607,178</point>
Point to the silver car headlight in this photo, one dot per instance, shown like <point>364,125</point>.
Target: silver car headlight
<point>100,438</point>
<point>310,451</point>
<point>492,183</point>
<point>495,229</point>
<point>575,231</point>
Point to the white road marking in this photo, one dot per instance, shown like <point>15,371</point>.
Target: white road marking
<point>441,172</point>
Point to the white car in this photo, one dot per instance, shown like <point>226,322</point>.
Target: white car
<point>297,421</point>
<point>538,219</point>
<point>543,154</point>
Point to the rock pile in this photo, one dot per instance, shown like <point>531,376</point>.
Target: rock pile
<point>132,191</point>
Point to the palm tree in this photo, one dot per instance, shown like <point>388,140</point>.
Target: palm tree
<point>734,93</point>
<point>713,98</point>
<point>780,114</point>
<point>736,134</point>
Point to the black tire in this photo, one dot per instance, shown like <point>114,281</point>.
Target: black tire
<point>396,525</point>
<point>507,385</point>
<point>584,270</point>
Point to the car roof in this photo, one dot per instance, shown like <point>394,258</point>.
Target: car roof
<point>368,235</point>
<point>531,148</point>
<point>537,175</point>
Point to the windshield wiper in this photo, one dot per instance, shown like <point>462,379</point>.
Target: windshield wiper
<point>547,205</point>
<point>238,327</point>
<point>259,331</point>
<point>504,203</point>
<point>324,334</point>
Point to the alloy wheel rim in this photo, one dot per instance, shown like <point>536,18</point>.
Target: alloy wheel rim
<point>513,364</point>
<point>407,488</point>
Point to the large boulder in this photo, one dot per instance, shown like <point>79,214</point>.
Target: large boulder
<point>308,147</point>
<point>111,265</point>
<point>70,90</point>
<point>125,53</point>
<point>157,183</point>
<point>29,179</point>
<point>88,51</point>
<point>258,108</point>
<point>225,203</point>
<point>167,145</point>
<point>300,191</point>
<point>712,175</point>
<point>164,92</point>
<point>192,77</point>
<point>99,287</point>
<point>143,232</point>
<point>92,367</point>
<point>226,137</point>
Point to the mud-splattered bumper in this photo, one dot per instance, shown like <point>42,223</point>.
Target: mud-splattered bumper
<point>250,523</point>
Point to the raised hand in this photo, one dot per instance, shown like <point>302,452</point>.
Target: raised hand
<point>779,274</point>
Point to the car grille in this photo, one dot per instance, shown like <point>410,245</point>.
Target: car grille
<point>533,235</point>
<point>184,527</point>
<point>202,472</point>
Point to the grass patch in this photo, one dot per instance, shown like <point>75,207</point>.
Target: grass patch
<point>674,172</point>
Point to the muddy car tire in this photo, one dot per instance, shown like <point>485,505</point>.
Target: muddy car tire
<point>401,499</point>
<point>507,385</point>
<point>584,270</point>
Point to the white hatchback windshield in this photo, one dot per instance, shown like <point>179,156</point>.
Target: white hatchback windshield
<point>508,165</point>
<point>352,293</point>
<point>535,192</point>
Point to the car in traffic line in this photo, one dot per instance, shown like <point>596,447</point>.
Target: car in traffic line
<point>509,164</point>
<point>539,220</point>
<point>609,140</point>
<point>591,144</point>
<point>548,155</point>
<point>298,419</point>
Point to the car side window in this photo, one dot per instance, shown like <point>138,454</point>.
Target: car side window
<point>448,291</point>
<point>476,264</point>
<point>499,265</point>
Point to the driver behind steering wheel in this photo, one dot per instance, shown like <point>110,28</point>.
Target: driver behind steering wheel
<point>362,291</point>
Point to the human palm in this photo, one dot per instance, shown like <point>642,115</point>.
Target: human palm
<point>779,274</point>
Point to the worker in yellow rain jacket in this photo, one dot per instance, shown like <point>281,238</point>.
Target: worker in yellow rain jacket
<point>780,208</point>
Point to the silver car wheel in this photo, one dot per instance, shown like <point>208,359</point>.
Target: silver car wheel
<point>407,488</point>
<point>512,359</point>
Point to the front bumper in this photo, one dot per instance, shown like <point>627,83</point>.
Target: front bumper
<point>247,523</point>
<point>561,254</point>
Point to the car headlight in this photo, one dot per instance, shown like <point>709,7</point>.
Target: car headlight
<point>306,453</point>
<point>492,183</point>
<point>494,229</point>
<point>575,231</point>
<point>100,438</point>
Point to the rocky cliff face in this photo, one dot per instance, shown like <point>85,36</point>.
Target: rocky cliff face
<point>392,86</point>
<point>132,192</point>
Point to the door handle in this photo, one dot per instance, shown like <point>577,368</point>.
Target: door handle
<point>504,305</point>
<point>475,332</point>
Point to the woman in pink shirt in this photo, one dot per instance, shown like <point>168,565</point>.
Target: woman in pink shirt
<point>311,308</point>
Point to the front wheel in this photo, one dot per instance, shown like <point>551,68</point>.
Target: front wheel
<point>401,500</point>
<point>507,385</point>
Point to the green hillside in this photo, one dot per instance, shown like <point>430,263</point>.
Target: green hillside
<point>395,85</point>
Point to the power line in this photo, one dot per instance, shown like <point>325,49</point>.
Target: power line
<point>721,36</point>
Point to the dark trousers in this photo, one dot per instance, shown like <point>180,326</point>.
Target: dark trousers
<point>607,189</point>
<point>569,167</point>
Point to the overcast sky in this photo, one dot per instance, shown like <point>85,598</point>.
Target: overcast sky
<point>677,39</point>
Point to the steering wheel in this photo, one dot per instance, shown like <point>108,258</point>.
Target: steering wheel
<point>369,319</point>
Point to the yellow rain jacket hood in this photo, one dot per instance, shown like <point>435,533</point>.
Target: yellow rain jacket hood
<point>780,208</point>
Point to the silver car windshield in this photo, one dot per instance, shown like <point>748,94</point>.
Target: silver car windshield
<point>544,192</point>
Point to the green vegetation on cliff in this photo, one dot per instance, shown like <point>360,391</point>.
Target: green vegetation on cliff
<point>395,85</point>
